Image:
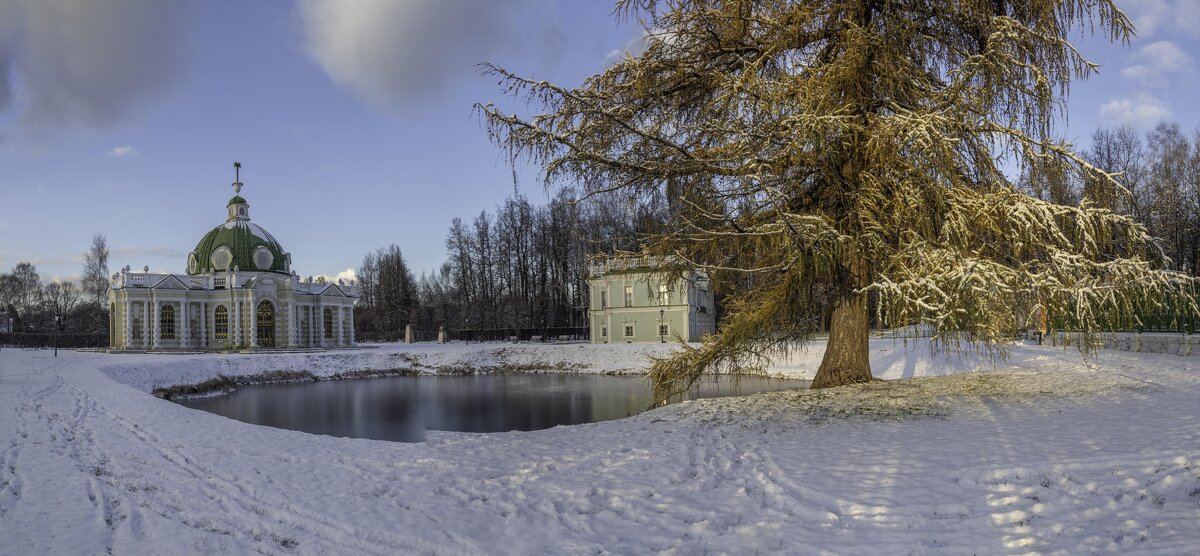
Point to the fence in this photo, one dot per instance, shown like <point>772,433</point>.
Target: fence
<point>50,339</point>
<point>548,334</point>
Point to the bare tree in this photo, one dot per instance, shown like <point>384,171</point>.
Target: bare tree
<point>59,301</point>
<point>21,290</point>
<point>95,279</point>
<point>851,146</point>
<point>1119,153</point>
<point>1167,215</point>
<point>95,270</point>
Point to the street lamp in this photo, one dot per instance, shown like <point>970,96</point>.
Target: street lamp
<point>57,329</point>
<point>662,338</point>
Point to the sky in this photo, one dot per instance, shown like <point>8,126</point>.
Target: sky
<point>353,120</point>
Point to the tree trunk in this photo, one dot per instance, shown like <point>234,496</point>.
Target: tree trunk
<point>847,355</point>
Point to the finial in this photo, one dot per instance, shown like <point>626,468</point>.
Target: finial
<point>237,178</point>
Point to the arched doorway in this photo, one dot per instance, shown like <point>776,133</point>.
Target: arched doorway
<point>265,321</point>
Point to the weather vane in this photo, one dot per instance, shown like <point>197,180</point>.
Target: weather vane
<point>237,179</point>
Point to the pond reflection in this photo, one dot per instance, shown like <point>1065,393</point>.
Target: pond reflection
<point>402,408</point>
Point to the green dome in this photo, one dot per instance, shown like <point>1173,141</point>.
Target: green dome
<point>238,243</point>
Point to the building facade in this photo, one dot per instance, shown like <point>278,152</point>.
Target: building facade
<point>631,304</point>
<point>239,293</point>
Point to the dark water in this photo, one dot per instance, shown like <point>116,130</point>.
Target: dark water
<point>402,408</point>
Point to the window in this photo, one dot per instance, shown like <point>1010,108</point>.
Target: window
<point>628,330</point>
<point>664,330</point>
<point>221,323</point>
<point>328,322</point>
<point>264,319</point>
<point>137,329</point>
<point>629,296</point>
<point>166,322</point>
<point>664,295</point>
<point>603,300</point>
<point>603,331</point>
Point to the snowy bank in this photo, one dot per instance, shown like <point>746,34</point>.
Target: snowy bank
<point>201,373</point>
<point>1042,453</point>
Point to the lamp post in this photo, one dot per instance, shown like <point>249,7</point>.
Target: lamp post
<point>57,329</point>
<point>662,338</point>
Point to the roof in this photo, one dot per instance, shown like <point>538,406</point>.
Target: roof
<point>243,239</point>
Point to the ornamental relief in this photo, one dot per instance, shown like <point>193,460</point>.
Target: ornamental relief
<point>263,258</point>
<point>221,258</point>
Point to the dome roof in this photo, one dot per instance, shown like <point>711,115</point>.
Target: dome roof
<point>238,243</point>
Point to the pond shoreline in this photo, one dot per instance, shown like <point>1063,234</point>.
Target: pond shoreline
<point>223,385</point>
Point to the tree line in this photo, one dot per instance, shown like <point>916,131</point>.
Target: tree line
<point>525,266</point>
<point>521,266</point>
<point>1157,183</point>
<point>36,307</point>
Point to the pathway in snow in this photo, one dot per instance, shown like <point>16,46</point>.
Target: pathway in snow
<point>1044,453</point>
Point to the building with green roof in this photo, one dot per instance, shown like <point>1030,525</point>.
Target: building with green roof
<point>239,293</point>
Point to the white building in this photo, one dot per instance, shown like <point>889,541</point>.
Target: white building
<point>631,304</point>
<point>239,292</point>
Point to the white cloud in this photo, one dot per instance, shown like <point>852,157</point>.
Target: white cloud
<point>122,151</point>
<point>1153,16</point>
<point>86,62</point>
<point>393,52</point>
<point>1156,61</point>
<point>345,276</point>
<point>1142,110</point>
<point>1147,15</point>
<point>639,43</point>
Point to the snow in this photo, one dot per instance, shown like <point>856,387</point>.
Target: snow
<point>1042,452</point>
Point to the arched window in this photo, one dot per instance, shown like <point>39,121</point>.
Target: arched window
<point>328,322</point>
<point>166,322</point>
<point>221,323</point>
<point>265,319</point>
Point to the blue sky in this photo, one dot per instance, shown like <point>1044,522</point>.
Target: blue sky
<point>353,120</point>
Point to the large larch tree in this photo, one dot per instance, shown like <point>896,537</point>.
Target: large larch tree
<point>819,152</point>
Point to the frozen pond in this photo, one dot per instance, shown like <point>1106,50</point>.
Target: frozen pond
<point>402,408</point>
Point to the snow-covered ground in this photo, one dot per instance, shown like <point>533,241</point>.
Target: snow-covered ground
<point>1042,452</point>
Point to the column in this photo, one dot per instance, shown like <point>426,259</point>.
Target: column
<point>146,323</point>
<point>253,311</point>
<point>156,342</point>
<point>203,326</point>
<point>128,324</point>
<point>318,325</point>
<point>235,313</point>
<point>352,326</point>
<point>337,323</point>
<point>185,324</point>
<point>291,332</point>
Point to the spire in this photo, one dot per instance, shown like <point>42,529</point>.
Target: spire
<point>238,208</point>
<point>237,180</point>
